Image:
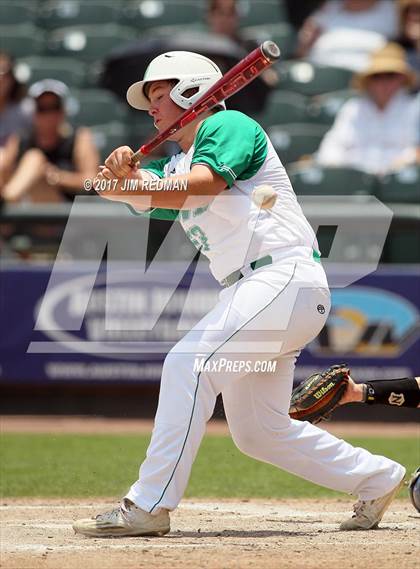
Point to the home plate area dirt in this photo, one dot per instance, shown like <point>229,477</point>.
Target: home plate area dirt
<point>298,534</point>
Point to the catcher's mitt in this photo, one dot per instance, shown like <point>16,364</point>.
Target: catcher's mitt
<point>316,398</point>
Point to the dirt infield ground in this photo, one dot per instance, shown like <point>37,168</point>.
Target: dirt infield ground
<point>215,535</point>
<point>241,534</point>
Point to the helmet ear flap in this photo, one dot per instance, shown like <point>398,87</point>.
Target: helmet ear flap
<point>187,91</point>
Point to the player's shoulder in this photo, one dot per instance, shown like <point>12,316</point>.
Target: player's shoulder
<point>227,118</point>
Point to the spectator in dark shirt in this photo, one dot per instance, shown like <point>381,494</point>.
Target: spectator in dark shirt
<point>223,19</point>
<point>12,117</point>
<point>51,161</point>
<point>409,37</point>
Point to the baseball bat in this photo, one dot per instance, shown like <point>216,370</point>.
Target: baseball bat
<point>233,81</point>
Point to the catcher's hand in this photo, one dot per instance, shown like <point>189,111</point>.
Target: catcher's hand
<point>316,398</point>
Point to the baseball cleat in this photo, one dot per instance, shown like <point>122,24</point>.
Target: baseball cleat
<point>368,514</point>
<point>127,520</point>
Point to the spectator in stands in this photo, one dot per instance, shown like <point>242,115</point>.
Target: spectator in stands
<point>377,132</point>
<point>51,160</point>
<point>12,117</point>
<point>223,19</point>
<point>409,37</point>
<point>298,12</point>
<point>333,27</point>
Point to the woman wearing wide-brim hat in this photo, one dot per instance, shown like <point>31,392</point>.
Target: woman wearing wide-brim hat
<point>387,63</point>
<point>378,131</point>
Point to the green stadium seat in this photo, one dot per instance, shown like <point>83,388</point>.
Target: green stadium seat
<point>88,42</point>
<point>310,79</point>
<point>152,13</point>
<point>139,126</point>
<point>22,40</point>
<point>316,180</point>
<point>164,32</point>
<point>292,141</point>
<point>401,187</point>
<point>403,242</point>
<point>323,109</point>
<point>60,13</point>
<point>12,13</point>
<point>283,107</point>
<point>256,12</point>
<point>282,33</point>
<point>97,107</point>
<point>66,69</point>
<point>108,137</point>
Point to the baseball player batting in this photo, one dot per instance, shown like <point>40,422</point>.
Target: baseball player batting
<point>274,300</point>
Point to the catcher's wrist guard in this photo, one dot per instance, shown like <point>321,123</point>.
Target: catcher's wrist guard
<point>401,392</point>
<point>316,398</point>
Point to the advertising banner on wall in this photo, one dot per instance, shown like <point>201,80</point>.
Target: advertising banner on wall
<point>115,325</point>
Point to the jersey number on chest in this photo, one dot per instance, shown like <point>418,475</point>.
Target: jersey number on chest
<point>198,237</point>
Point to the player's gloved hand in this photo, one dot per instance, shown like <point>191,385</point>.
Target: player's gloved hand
<point>118,164</point>
<point>316,397</point>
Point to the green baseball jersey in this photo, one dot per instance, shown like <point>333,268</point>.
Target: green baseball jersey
<point>231,230</point>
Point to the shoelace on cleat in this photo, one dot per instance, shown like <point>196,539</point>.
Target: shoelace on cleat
<point>108,516</point>
<point>358,508</point>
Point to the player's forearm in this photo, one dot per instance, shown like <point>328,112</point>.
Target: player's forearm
<point>403,392</point>
<point>175,192</point>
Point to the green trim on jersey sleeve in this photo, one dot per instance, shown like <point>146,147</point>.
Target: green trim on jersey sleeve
<point>232,144</point>
<point>155,213</point>
<point>158,168</point>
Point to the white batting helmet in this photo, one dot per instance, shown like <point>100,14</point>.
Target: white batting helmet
<point>190,69</point>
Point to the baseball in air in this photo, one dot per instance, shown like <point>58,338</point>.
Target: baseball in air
<point>264,196</point>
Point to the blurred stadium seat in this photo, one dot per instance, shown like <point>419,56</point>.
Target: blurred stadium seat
<point>316,180</point>
<point>309,79</point>
<point>97,107</point>
<point>22,39</point>
<point>322,109</point>
<point>88,42</point>
<point>17,12</point>
<point>151,13</point>
<point>66,69</point>
<point>292,141</point>
<point>401,187</point>
<point>139,127</point>
<point>403,243</point>
<point>283,107</point>
<point>282,33</point>
<point>256,12</point>
<point>109,136</point>
<point>60,13</point>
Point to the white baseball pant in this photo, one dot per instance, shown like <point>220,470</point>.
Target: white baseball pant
<point>280,307</point>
